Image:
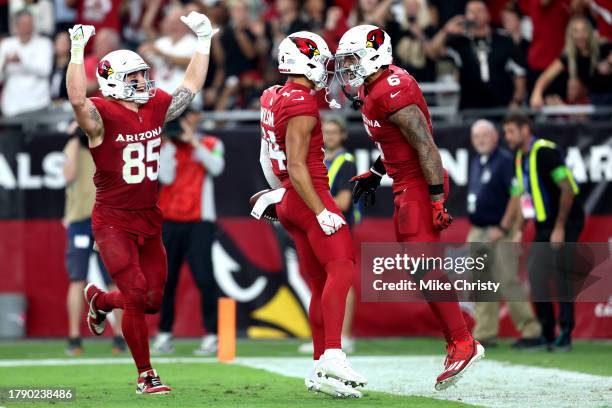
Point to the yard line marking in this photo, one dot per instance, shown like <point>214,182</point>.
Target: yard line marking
<point>491,383</point>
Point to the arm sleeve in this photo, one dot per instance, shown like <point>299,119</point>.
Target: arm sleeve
<point>167,163</point>
<point>266,165</point>
<point>213,160</point>
<point>342,181</point>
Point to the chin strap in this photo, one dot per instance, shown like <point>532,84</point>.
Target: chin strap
<point>356,103</point>
<point>333,104</point>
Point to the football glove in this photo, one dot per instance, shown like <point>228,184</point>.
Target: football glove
<point>366,184</point>
<point>79,35</point>
<point>441,218</point>
<point>330,222</point>
<point>201,26</point>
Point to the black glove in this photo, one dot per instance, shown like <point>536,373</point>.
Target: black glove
<point>368,182</point>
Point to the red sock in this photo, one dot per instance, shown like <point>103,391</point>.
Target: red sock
<point>315,316</point>
<point>451,318</point>
<point>107,301</point>
<point>134,328</point>
<point>333,300</point>
<point>447,335</point>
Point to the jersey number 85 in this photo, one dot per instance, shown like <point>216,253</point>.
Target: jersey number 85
<point>134,157</point>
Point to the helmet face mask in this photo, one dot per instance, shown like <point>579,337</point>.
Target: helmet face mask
<point>113,72</point>
<point>349,70</point>
<point>362,51</point>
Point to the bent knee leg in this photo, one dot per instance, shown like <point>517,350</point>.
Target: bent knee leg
<point>153,301</point>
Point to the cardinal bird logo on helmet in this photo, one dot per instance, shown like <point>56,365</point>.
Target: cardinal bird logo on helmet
<point>104,69</point>
<point>375,38</point>
<point>306,46</point>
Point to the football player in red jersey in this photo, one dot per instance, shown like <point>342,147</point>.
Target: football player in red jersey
<point>292,159</point>
<point>397,119</point>
<point>124,130</point>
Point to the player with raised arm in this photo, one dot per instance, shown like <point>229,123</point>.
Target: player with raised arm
<point>396,118</point>
<point>292,158</point>
<point>124,130</point>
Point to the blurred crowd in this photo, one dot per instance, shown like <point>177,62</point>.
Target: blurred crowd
<point>503,53</point>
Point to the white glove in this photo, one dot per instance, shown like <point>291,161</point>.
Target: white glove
<point>200,25</point>
<point>330,222</point>
<point>79,35</point>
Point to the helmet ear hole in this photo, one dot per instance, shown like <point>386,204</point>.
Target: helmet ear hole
<point>311,66</point>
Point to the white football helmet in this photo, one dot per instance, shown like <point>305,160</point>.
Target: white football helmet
<point>362,51</point>
<point>305,53</point>
<point>112,71</point>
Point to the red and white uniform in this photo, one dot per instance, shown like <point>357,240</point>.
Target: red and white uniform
<point>278,105</point>
<point>393,90</point>
<point>127,164</point>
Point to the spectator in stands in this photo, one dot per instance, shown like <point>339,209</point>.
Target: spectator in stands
<point>26,60</point>
<point>580,62</point>
<point>60,65</point>
<point>100,14</point>
<point>188,163</point>
<point>244,43</point>
<point>170,54</point>
<point>335,26</point>
<point>444,10</point>
<point>549,19</point>
<point>105,41</point>
<point>602,10</point>
<point>549,196</point>
<point>491,69</point>
<point>410,38</point>
<point>64,16</point>
<point>492,214</point>
<point>511,22</point>
<point>373,12</point>
<point>80,196</point>
<point>42,13</point>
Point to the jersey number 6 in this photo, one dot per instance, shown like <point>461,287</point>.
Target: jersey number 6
<point>138,162</point>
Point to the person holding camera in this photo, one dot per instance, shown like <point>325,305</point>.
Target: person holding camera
<point>188,164</point>
<point>492,71</point>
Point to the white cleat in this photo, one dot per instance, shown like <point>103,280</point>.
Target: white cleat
<point>208,346</point>
<point>317,382</point>
<point>333,363</point>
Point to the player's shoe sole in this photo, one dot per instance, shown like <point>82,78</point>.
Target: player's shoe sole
<point>330,386</point>
<point>447,382</point>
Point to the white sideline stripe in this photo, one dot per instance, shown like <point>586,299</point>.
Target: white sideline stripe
<point>489,383</point>
<point>98,361</point>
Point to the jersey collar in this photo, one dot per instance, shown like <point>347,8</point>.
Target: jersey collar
<point>386,72</point>
<point>294,85</point>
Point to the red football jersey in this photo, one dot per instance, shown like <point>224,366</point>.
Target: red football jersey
<point>392,91</point>
<point>127,163</point>
<point>278,105</point>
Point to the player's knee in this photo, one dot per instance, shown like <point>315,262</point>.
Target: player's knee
<point>134,300</point>
<point>153,301</point>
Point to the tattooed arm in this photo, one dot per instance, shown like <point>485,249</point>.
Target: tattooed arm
<point>85,111</point>
<point>181,98</point>
<point>414,127</point>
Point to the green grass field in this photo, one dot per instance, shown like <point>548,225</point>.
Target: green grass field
<point>111,383</point>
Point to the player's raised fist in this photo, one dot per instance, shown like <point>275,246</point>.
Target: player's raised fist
<point>80,34</point>
<point>199,24</point>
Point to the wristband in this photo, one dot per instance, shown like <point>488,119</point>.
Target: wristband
<point>378,167</point>
<point>373,170</point>
<point>435,189</point>
<point>76,54</point>
<point>203,45</point>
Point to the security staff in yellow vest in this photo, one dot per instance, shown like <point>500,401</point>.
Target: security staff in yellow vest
<point>548,195</point>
